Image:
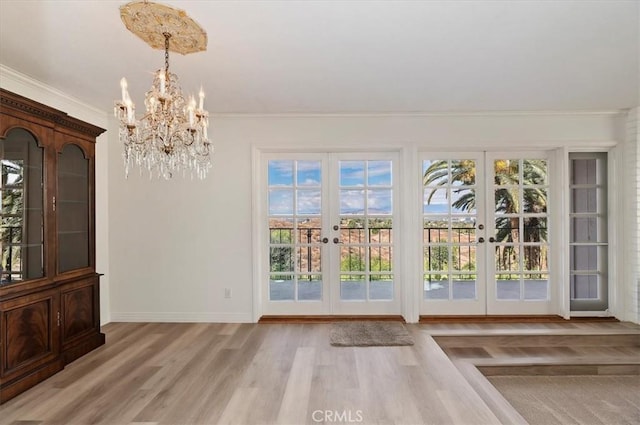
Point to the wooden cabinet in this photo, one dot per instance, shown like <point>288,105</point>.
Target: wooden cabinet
<point>49,288</point>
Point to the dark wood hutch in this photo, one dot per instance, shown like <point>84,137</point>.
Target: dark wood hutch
<point>49,288</point>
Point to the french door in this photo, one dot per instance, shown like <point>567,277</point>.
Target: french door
<point>329,234</point>
<point>485,226</point>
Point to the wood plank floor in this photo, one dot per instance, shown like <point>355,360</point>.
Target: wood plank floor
<point>159,373</point>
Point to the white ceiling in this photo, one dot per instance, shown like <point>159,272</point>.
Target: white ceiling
<point>345,56</point>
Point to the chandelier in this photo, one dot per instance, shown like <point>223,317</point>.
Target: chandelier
<point>171,136</point>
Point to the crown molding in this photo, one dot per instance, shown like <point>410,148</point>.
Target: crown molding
<point>23,85</point>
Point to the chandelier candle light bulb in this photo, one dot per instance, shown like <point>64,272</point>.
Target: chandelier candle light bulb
<point>171,136</point>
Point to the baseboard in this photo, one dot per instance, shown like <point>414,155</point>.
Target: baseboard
<point>511,319</point>
<point>181,317</point>
<point>328,318</point>
<point>492,319</point>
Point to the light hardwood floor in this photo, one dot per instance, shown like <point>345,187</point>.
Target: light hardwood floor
<point>158,373</point>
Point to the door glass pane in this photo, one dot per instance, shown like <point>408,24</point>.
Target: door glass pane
<point>436,286</point>
<point>379,173</point>
<point>520,229</point>
<point>508,287</point>
<point>449,234</point>
<point>310,287</point>
<point>295,230</point>
<point>352,173</point>
<point>536,286</point>
<point>22,220</point>
<point>506,172</point>
<point>308,173</point>
<point>366,230</point>
<point>352,201</point>
<point>73,209</point>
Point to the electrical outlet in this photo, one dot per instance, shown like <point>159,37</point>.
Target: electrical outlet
<point>227,292</point>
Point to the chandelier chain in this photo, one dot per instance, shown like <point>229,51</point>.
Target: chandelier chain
<point>167,36</point>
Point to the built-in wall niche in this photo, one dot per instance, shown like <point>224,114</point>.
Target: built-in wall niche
<point>22,220</point>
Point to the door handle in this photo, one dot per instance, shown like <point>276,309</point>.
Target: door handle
<point>492,239</point>
<point>325,240</point>
<point>480,240</point>
<point>336,240</point>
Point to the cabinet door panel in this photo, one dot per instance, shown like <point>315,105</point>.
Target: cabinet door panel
<point>29,332</point>
<point>79,315</point>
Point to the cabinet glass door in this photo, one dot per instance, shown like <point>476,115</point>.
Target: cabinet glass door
<point>22,222</point>
<point>72,206</point>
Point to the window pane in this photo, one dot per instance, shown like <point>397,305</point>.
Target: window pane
<point>534,172</point>
<point>310,287</point>
<point>281,259</point>
<point>463,201</point>
<point>280,231</point>
<point>353,287</point>
<point>280,202</point>
<point>352,259</point>
<point>463,172</point>
<point>435,172</point>
<point>584,286</point>
<point>351,202</point>
<point>435,201</point>
<point>536,287</point>
<point>379,201</point>
<point>436,231</point>
<point>381,287</point>
<point>506,172</point>
<point>583,171</point>
<point>379,173</point>
<point>352,173</point>
<point>584,200</point>
<point>464,287</point>
<point>436,286</point>
<point>436,258</point>
<point>281,288</point>
<point>309,173</point>
<point>508,229</point>
<point>280,173</point>
<point>508,287</point>
<point>507,201</point>
<point>308,202</point>
<point>535,201</point>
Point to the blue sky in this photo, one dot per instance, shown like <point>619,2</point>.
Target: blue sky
<point>362,183</point>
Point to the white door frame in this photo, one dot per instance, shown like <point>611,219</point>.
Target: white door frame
<point>486,302</point>
<point>331,303</point>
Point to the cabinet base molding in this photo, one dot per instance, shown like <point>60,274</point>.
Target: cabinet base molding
<point>79,350</point>
<point>21,384</point>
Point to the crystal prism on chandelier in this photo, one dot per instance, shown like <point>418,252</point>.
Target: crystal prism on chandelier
<point>171,136</point>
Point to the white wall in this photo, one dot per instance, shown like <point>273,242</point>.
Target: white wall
<point>632,220</point>
<point>175,245</point>
<point>169,248</point>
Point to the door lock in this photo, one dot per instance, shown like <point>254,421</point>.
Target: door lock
<point>492,239</point>
<point>480,240</point>
<point>480,226</point>
<point>325,240</point>
<point>336,240</point>
<point>336,227</point>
